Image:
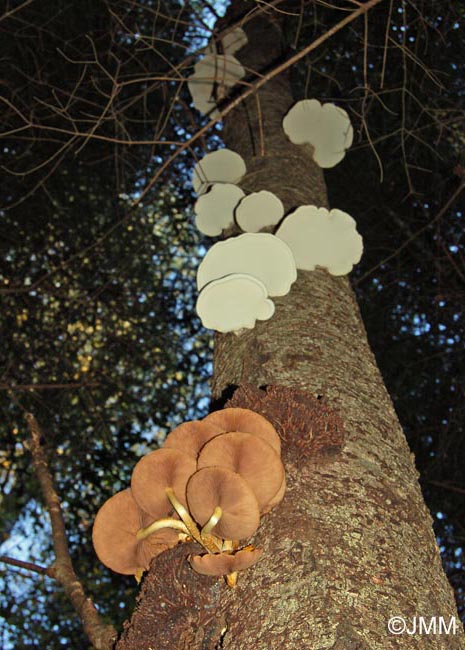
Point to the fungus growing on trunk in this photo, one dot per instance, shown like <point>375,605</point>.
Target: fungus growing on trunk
<point>222,166</point>
<point>259,210</point>
<point>318,237</point>
<point>115,540</point>
<point>261,255</point>
<point>157,472</point>
<point>190,437</point>
<point>233,303</point>
<point>326,127</point>
<point>225,563</point>
<point>217,487</point>
<point>238,419</point>
<point>215,208</point>
<point>249,456</point>
<point>213,75</point>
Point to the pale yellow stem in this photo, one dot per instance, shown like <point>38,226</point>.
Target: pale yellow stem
<point>142,533</point>
<point>190,524</point>
<point>211,523</point>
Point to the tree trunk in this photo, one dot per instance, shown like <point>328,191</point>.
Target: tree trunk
<point>351,545</point>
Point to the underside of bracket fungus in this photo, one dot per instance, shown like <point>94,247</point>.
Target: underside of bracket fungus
<point>261,255</point>
<point>234,303</point>
<point>205,485</point>
<point>222,166</point>
<point>115,539</point>
<point>213,75</point>
<point>318,237</point>
<point>259,210</point>
<point>215,208</point>
<point>326,127</point>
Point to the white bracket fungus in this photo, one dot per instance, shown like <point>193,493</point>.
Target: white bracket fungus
<point>318,237</point>
<point>234,302</point>
<point>202,95</point>
<point>259,210</point>
<point>325,126</point>
<point>215,209</point>
<point>222,166</point>
<point>231,42</point>
<point>224,70</point>
<point>261,255</point>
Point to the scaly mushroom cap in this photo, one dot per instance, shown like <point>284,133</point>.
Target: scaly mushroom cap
<point>223,563</point>
<point>217,486</point>
<point>251,457</point>
<point>114,535</point>
<point>191,436</point>
<point>157,471</point>
<point>237,419</point>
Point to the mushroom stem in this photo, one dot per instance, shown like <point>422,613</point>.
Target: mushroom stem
<point>189,523</point>
<point>211,523</point>
<point>231,579</point>
<point>142,533</point>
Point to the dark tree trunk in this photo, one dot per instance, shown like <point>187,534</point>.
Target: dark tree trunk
<point>351,545</point>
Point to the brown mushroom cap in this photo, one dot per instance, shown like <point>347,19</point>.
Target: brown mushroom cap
<point>157,471</point>
<point>223,563</point>
<point>114,535</point>
<point>278,497</point>
<point>190,437</point>
<point>217,486</point>
<point>251,457</point>
<point>237,419</point>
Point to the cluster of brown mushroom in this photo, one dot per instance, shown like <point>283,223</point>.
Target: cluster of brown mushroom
<point>210,482</point>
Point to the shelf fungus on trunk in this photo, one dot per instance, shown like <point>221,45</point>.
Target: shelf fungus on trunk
<point>208,484</point>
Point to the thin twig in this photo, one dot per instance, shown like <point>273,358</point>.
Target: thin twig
<point>101,635</point>
<point>29,566</point>
<point>253,87</point>
<point>408,241</point>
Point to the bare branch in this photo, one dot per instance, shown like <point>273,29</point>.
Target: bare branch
<point>101,635</point>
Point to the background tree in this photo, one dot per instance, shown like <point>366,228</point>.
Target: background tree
<point>126,42</point>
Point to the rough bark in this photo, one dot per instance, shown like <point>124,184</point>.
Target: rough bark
<point>351,545</point>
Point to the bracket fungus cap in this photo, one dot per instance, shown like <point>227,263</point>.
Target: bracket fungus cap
<point>222,564</point>
<point>215,208</point>
<point>249,456</point>
<point>161,469</point>
<point>114,535</point>
<point>231,42</point>
<point>239,419</point>
<point>211,487</point>
<point>233,303</point>
<point>222,166</point>
<point>202,95</point>
<point>190,437</point>
<point>261,255</point>
<point>318,237</point>
<point>259,210</point>
<point>222,69</point>
<point>326,127</point>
